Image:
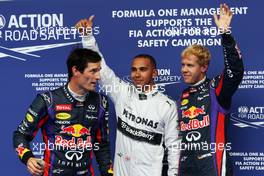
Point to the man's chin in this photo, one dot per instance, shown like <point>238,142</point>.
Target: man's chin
<point>187,81</point>
<point>91,88</point>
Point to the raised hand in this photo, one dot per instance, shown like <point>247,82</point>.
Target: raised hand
<point>85,25</point>
<point>224,19</point>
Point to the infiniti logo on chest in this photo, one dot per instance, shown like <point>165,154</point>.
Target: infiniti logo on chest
<point>193,136</point>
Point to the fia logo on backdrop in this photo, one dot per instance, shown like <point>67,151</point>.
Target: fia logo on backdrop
<point>248,117</point>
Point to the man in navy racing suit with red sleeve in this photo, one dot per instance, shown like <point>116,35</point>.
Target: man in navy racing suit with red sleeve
<point>73,121</point>
<point>205,104</point>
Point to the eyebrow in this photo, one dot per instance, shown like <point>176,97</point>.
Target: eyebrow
<point>95,68</point>
<point>138,67</point>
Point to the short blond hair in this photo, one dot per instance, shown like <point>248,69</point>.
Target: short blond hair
<point>202,53</point>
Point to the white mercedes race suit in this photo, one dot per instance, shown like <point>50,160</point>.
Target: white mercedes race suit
<point>144,123</point>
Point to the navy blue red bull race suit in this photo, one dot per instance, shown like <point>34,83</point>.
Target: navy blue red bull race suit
<point>204,109</point>
<point>71,131</point>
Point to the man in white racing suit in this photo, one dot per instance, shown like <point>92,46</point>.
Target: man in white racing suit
<point>146,118</point>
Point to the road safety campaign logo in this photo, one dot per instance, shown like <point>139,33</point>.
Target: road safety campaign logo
<point>248,117</point>
<point>43,27</point>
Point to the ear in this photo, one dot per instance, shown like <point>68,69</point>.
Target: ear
<point>154,73</point>
<point>75,71</point>
<point>204,68</point>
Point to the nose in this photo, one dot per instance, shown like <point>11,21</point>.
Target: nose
<point>137,73</point>
<point>98,76</point>
<point>184,69</point>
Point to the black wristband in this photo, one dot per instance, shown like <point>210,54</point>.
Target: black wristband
<point>26,156</point>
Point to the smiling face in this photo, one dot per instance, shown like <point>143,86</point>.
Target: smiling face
<point>143,73</point>
<point>87,80</point>
<point>191,70</point>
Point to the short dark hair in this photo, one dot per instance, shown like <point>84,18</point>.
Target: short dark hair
<point>79,57</point>
<point>147,56</point>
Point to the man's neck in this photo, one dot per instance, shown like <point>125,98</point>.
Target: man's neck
<point>75,89</point>
<point>147,88</point>
<point>76,95</point>
<point>199,82</point>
